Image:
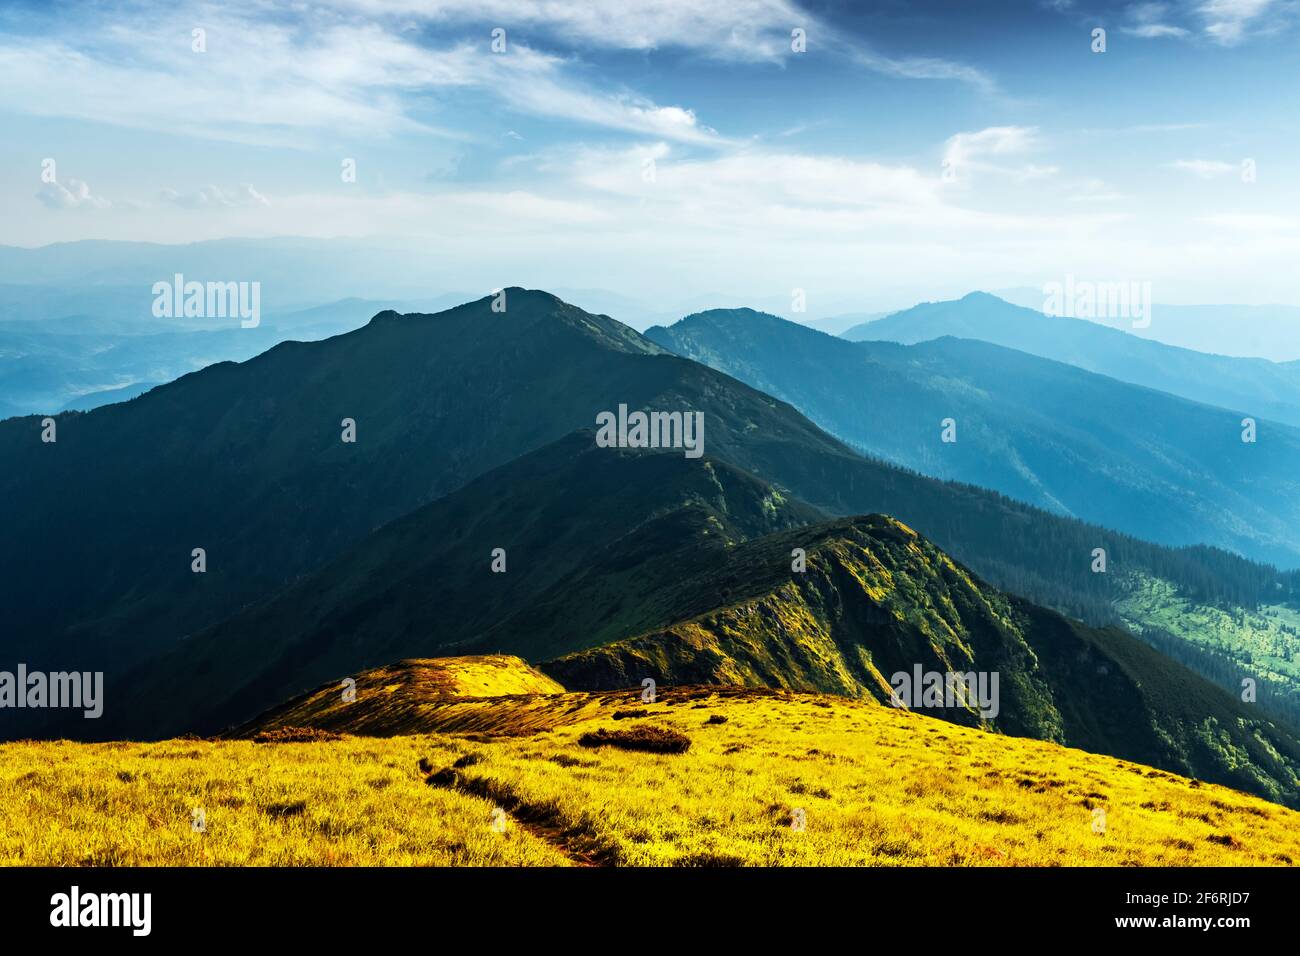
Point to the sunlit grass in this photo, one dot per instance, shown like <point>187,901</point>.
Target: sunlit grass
<point>870,785</point>
<point>353,802</point>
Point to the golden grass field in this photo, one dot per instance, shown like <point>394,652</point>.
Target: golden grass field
<point>871,786</point>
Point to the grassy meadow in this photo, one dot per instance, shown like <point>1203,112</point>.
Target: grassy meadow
<point>768,779</point>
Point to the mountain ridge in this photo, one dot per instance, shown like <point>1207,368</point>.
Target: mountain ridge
<point>1254,386</point>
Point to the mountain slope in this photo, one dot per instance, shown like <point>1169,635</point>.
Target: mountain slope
<point>877,599</point>
<point>247,462</point>
<point>425,583</point>
<point>1066,440</point>
<point>1250,386</point>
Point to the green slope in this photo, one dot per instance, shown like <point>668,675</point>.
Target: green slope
<point>424,584</point>
<point>877,599</point>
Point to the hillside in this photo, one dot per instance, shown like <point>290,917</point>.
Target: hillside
<point>770,779</point>
<point>424,584</point>
<point>877,599</point>
<point>1250,386</point>
<point>699,591</point>
<point>411,696</point>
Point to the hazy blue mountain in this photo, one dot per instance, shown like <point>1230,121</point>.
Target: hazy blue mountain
<point>1160,467</point>
<point>1252,386</point>
<point>1248,331</point>
<point>107,396</point>
<point>83,361</point>
<point>839,324</point>
<point>294,273</point>
<point>42,372</point>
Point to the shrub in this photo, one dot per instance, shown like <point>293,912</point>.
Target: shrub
<point>295,735</point>
<point>660,740</point>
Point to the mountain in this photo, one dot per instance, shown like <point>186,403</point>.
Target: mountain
<point>1080,444</point>
<point>45,370</point>
<point>1250,386</point>
<point>681,571</point>
<point>246,461</point>
<point>1247,331</point>
<point>839,324</point>
<point>107,396</point>
<point>877,599</point>
<point>565,515</point>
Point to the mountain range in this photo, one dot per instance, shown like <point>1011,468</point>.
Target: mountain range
<point>324,556</point>
<point>1080,444</point>
<point>1250,386</point>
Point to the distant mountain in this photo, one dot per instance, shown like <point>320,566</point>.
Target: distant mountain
<point>293,273</point>
<point>107,396</point>
<point>1159,467</point>
<point>43,371</point>
<point>877,599</point>
<point>78,362</point>
<point>1246,331</point>
<point>1251,386</point>
<point>839,324</point>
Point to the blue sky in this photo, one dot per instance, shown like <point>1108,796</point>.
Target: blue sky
<point>912,151</point>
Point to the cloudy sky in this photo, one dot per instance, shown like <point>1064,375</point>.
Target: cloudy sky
<point>908,151</point>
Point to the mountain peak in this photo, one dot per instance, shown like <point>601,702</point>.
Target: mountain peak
<point>513,311</point>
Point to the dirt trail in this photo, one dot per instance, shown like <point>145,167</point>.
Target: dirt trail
<point>541,822</point>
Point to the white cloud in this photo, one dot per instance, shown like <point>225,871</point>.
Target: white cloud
<point>210,196</point>
<point>75,195</point>
<point>1147,20</point>
<point>272,84</point>
<point>736,30</point>
<point>1093,190</point>
<point>1227,21</point>
<point>1254,223</point>
<point>970,151</point>
<point>1205,168</point>
<point>1150,31</point>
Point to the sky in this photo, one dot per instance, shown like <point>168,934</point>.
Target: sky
<point>864,155</point>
